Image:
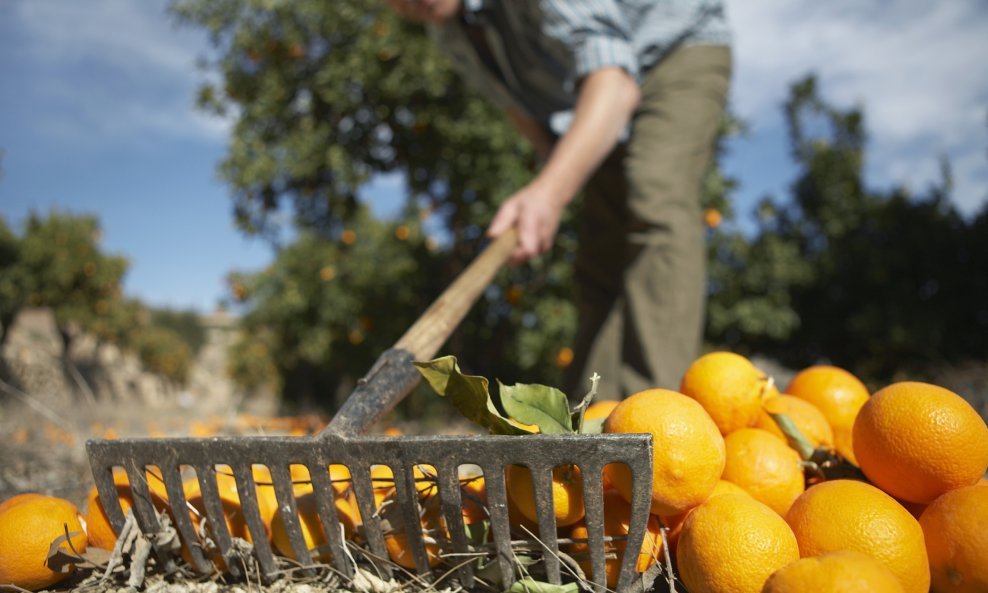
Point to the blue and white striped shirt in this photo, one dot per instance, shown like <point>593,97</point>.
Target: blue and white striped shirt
<point>537,51</point>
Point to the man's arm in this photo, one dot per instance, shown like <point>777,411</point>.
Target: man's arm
<point>606,101</point>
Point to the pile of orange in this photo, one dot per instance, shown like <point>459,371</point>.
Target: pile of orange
<point>739,492</point>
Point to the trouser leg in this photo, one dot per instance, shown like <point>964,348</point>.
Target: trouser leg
<point>640,271</point>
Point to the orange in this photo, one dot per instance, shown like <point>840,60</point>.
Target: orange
<point>712,218</point>
<point>687,448</point>
<point>617,515</point>
<point>764,467</point>
<point>567,493</point>
<point>732,543</point>
<point>675,522</point>
<point>101,534</point>
<point>600,409</point>
<point>473,497</point>
<point>18,499</point>
<point>843,571</point>
<point>312,527</point>
<point>27,530</point>
<point>838,394</point>
<point>956,540</point>
<point>852,515</point>
<point>810,421</point>
<point>396,540</point>
<point>728,387</point>
<point>917,441</point>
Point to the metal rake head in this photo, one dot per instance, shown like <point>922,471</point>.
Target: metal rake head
<point>174,459</point>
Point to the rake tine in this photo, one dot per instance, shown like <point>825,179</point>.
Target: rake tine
<point>407,496</point>
<point>641,503</point>
<point>144,510</point>
<point>180,515</point>
<point>326,503</point>
<point>107,490</point>
<point>284,492</point>
<point>247,491</point>
<point>364,491</point>
<point>215,515</point>
<point>451,499</point>
<point>593,503</point>
<point>497,497</point>
<point>542,483</point>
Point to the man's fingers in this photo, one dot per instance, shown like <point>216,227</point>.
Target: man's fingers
<point>503,220</point>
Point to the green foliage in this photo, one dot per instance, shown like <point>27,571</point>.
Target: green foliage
<point>163,351</point>
<point>185,324</point>
<point>12,294</point>
<point>326,95</point>
<point>880,282</point>
<point>63,268</point>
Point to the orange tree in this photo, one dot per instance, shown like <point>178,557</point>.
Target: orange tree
<point>327,95</point>
<point>876,281</point>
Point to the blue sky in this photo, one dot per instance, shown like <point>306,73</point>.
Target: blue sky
<point>97,116</point>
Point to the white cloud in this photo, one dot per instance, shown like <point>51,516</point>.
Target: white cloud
<point>113,69</point>
<point>917,68</point>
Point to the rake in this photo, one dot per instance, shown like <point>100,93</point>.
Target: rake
<point>343,442</point>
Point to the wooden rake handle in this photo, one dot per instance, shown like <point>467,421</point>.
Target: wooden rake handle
<point>393,376</point>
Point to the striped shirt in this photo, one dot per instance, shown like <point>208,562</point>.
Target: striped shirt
<point>531,54</point>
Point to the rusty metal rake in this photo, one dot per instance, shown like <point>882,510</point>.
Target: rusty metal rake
<point>390,379</point>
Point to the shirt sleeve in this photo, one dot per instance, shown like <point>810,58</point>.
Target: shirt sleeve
<point>596,32</point>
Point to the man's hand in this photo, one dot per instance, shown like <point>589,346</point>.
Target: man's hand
<point>534,211</point>
<point>605,103</point>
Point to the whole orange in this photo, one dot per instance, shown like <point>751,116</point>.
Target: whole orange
<point>674,523</point>
<point>851,515</point>
<point>837,394</point>
<point>957,540</point>
<point>916,441</point>
<point>687,448</point>
<point>27,530</point>
<point>617,519</point>
<point>765,467</point>
<point>18,499</point>
<point>732,543</point>
<point>567,493</point>
<point>728,386</point>
<point>808,419</point>
<point>843,571</point>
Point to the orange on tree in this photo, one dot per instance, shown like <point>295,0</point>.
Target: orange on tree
<point>101,534</point>
<point>805,416</point>
<point>567,493</point>
<point>732,543</point>
<point>957,540</point>
<point>852,515</point>
<point>843,571</point>
<point>765,467</point>
<point>688,450</point>
<point>27,530</point>
<point>837,394</point>
<point>617,516</point>
<point>728,386</point>
<point>311,526</point>
<point>917,440</point>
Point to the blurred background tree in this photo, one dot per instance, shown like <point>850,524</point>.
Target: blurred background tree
<point>58,263</point>
<point>326,96</point>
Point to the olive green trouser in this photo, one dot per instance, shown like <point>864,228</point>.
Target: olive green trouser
<point>640,269</point>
